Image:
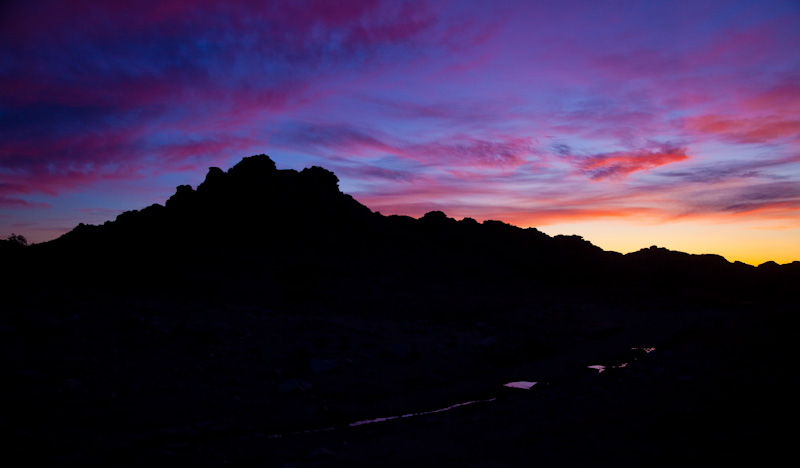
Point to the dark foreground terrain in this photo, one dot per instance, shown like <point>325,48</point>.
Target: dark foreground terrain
<point>253,320</point>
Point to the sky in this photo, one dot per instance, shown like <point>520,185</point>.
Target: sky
<point>670,123</point>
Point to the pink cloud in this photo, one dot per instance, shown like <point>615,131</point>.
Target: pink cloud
<point>783,97</point>
<point>744,129</point>
<point>52,164</point>
<point>457,150</point>
<point>10,202</point>
<point>619,164</point>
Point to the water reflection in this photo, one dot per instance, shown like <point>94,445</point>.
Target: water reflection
<point>523,384</point>
<point>601,368</point>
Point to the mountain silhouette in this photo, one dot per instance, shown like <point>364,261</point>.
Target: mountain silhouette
<point>230,323</point>
<point>289,228</point>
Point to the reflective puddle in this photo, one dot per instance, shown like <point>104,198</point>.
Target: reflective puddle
<point>600,368</point>
<point>523,384</point>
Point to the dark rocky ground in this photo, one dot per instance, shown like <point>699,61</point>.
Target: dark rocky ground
<point>229,326</point>
<point>127,382</point>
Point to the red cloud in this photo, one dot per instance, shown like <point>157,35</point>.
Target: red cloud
<point>623,163</point>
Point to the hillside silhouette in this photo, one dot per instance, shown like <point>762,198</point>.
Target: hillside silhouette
<point>266,302</point>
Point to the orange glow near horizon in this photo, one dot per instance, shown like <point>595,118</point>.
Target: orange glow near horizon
<point>749,243</point>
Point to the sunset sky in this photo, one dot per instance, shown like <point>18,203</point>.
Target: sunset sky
<point>630,123</point>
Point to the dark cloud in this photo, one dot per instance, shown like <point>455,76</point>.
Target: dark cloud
<point>562,149</point>
<point>711,174</point>
<point>726,170</point>
<point>777,197</point>
<point>508,151</point>
<point>375,172</point>
<point>761,196</point>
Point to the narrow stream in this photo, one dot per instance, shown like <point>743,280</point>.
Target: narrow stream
<point>520,384</point>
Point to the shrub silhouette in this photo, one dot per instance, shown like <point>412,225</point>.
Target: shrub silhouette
<point>18,239</point>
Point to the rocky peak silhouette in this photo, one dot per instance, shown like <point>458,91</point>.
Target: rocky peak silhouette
<point>256,195</point>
